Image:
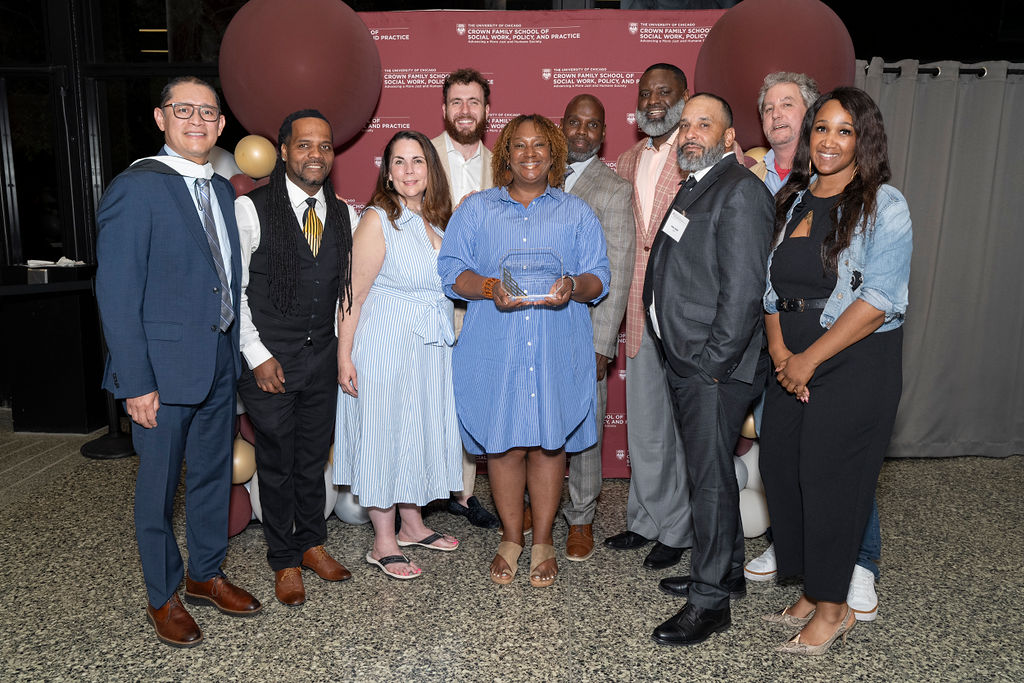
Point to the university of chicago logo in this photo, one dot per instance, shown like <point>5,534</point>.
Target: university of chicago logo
<point>631,118</point>
<point>377,161</point>
<point>545,74</point>
<point>620,454</point>
<point>622,375</point>
<point>460,29</point>
<point>634,27</point>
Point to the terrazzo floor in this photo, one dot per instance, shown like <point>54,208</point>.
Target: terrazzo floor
<point>72,598</point>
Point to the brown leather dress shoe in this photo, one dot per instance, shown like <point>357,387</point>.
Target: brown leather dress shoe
<point>580,544</point>
<point>173,624</point>
<point>288,586</point>
<point>222,594</point>
<point>326,567</point>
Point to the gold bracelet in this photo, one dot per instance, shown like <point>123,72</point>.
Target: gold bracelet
<point>488,288</point>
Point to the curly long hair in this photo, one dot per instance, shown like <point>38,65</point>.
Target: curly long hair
<point>855,208</point>
<point>283,275</point>
<point>556,143</point>
<point>437,200</point>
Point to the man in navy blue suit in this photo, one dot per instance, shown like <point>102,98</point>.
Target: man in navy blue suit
<point>168,291</point>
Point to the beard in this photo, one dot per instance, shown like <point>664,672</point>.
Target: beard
<point>576,156</point>
<point>657,128</point>
<point>475,134</point>
<point>709,157</point>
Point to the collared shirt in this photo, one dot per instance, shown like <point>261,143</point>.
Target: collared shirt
<point>577,169</point>
<point>465,173</point>
<point>248,220</point>
<point>772,178</point>
<point>190,171</point>
<point>648,170</point>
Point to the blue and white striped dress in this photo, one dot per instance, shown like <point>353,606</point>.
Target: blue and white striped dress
<point>399,441</point>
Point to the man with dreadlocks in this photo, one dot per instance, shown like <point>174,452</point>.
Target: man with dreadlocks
<point>296,244</point>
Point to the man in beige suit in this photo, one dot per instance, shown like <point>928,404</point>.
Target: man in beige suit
<point>467,163</point>
<point>608,195</point>
<point>658,507</point>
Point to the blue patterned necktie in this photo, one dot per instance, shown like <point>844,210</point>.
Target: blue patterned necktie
<point>227,315</point>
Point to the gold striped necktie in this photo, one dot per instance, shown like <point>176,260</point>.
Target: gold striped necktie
<point>312,228</point>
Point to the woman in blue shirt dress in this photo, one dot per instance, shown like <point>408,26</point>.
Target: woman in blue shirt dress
<point>397,439</point>
<point>524,376</point>
<point>835,300</point>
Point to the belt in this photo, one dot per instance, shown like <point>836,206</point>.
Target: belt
<point>800,305</point>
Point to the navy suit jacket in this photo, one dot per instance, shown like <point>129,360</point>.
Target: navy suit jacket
<point>707,286</point>
<point>157,287</point>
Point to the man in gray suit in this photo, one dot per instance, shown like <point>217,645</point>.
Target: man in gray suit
<point>702,295</point>
<point>609,197</point>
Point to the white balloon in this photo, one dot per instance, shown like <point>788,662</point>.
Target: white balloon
<point>348,508</point>
<point>223,162</point>
<point>753,513</point>
<point>751,460</point>
<point>741,473</point>
<point>254,496</point>
<point>332,493</point>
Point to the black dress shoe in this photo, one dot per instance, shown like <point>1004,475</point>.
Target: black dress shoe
<point>692,625</point>
<point>679,586</point>
<point>476,513</point>
<point>627,540</point>
<point>663,556</point>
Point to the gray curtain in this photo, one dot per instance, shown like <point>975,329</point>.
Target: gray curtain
<point>956,144</point>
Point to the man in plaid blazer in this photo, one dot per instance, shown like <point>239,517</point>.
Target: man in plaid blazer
<point>658,508</point>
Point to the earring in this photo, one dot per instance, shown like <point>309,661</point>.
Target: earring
<point>388,185</point>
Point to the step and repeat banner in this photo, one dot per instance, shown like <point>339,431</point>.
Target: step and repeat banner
<point>535,62</point>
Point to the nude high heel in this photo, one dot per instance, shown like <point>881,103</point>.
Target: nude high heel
<point>795,647</point>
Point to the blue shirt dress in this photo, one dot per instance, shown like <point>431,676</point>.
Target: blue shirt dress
<point>524,378</point>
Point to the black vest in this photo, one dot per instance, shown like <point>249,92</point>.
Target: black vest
<point>312,320</point>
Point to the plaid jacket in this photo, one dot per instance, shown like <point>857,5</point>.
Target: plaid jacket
<point>665,191</point>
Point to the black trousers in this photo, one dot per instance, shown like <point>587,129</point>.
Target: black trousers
<point>293,441</point>
<point>820,460</point>
<point>710,416</point>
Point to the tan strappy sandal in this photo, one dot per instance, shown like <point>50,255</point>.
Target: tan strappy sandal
<point>509,552</point>
<point>539,554</point>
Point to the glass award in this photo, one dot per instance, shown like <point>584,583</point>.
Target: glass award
<point>528,274</point>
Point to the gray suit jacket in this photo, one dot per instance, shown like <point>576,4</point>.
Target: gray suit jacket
<point>707,287</point>
<point>610,198</point>
<point>486,179</point>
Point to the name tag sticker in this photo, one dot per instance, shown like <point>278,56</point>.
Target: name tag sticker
<point>676,224</point>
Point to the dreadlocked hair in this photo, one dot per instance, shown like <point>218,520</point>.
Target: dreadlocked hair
<point>283,275</point>
<point>855,207</point>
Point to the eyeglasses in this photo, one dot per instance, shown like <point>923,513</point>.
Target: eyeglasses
<point>183,110</point>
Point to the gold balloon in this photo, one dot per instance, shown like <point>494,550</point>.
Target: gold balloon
<point>756,153</point>
<point>255,156</point>
<point>749,430</point>
<point>243,461</point>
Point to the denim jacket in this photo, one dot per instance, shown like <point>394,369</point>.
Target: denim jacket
<point>875,267</point>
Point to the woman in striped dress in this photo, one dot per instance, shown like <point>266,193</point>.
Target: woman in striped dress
<point>397,440</point>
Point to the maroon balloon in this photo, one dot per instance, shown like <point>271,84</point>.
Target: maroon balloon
<point>757,37</point>
<point>245,428</point>
<point>743,445</point>
<point>239,510</point>
<point>243,184</point>
<point>279,56</point>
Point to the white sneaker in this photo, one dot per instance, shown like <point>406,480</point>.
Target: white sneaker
<point>862,598</point>
<point>763,567</point>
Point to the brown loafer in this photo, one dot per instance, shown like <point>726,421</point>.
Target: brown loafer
<point>288,586</point>
<point>325,566</point>
<point>173,624</point>
<point>222,594</point>
<point>579,545</point>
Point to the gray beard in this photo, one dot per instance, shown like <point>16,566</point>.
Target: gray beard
<point>577,157</point>
<point>659,128</point>
<point>709,158</point>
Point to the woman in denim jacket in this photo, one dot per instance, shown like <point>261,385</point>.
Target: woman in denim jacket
<point>835,301</point>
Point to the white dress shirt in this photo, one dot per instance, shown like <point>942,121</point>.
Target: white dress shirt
<point>465,173</point>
